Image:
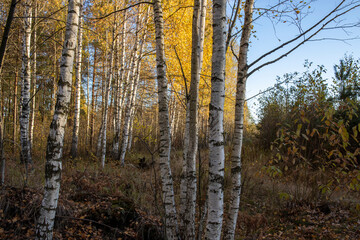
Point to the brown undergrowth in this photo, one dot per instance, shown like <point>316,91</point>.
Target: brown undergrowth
<point>114,203</point>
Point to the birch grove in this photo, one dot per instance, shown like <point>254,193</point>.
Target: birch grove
<point>139,111</point>
<point>54,151</point>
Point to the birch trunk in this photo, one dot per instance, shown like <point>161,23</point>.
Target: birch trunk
<point>25,87</point>
<point>183,178</point>
<point>75,136</point>
<point>34,81</point>
<point>106,108</point>
<point>121,75</point>
<point>233,208</point>
<point>92,120</point>
<point>55,143</point>
<point>171,229</point>
<point>216,116</point>
<point>132,93</point>
<point>198,30</point>
<point>15,108</point>
<point>87,105</point>
<point>55,67</point>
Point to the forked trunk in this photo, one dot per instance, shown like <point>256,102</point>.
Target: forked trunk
<point>198,30</point>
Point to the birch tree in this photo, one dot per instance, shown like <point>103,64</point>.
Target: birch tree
<point>215,192</point>
<point>233,208</point>
<point>34,76</point>
<point>53,166</point>
<point>119,101</point>
<point>75,136</point>
<point>132,91</point>
<point>106,100</point>
<point>25,86</point>
<point>198,30</point>
<point>171,229</point>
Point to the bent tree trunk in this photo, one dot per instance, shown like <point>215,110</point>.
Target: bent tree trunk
<point>55,142</point>
<point>215,192</point>
<point>25,87</point>
<point>165,136</point>
<point>75,137</point>
<point>233,208</point>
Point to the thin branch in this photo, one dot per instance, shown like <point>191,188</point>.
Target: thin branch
<point>297,46</point>
<point>183,74</point>
<point>296,38</point>
<point>269,89</point>
<point>120,10</point>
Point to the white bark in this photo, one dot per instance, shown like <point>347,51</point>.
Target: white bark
<point>183,178</point>
<point>106,109</point>
<point>129,98</point>
<point>34,80</point>
<point>233,208</point>
<point>216,116</point>
<point>118,107</point>
<point>198,31</point>
<point>132,92</point>
<point>25,86</point>
<point>88,105</point>
<point>75,136</point>
<point>171,228</point>
<point>55,143</point>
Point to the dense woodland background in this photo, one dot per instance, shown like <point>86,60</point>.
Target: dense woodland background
<point>298,163</point>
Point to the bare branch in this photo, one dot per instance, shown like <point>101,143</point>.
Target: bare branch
<point>296,38</point>
<point>302,42</point>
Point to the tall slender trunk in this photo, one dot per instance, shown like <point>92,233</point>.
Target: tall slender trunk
<point>215,192</point>
<point>171,227</point>
<point>183,178</point>
<point>87,104</point>
<point>233,208</point>
<point>15,109</point>
<point>198,30</point>
<point>132,92</point>
<point>92,120</point>
<point>106,107</point>
<point>55,66</point>
<point>75,136</point>
<point>55,142</point>
<point>121,75</point>
<point>34,76</point>
<point>25,89</point>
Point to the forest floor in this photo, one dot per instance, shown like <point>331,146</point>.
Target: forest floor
<point>124,203</point>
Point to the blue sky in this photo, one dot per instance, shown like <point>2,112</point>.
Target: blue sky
<point>326,52</point>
